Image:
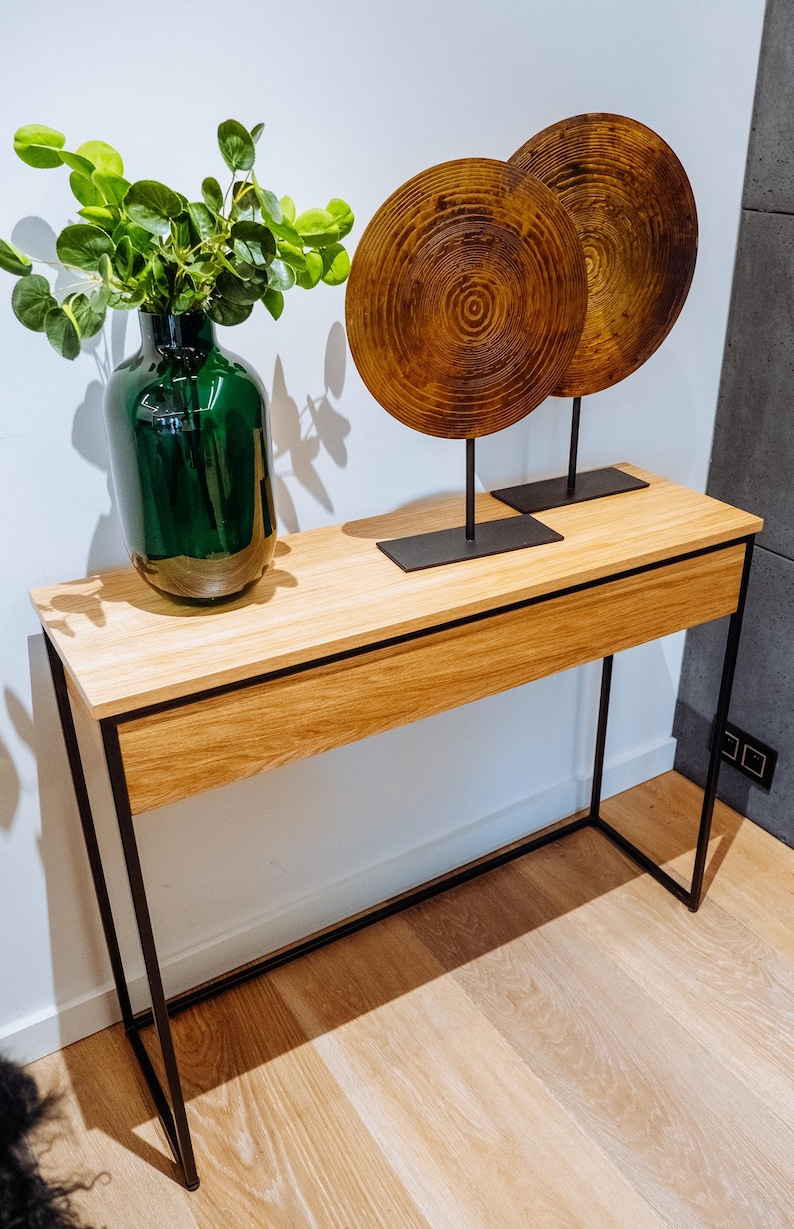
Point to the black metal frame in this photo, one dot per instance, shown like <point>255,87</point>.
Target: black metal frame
<point>170,1105</point>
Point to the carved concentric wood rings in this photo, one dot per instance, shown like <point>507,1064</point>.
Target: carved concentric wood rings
<point>633,208</point>
<point>466,299</point>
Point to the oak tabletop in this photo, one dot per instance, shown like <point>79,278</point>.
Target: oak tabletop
<point>330,590</point>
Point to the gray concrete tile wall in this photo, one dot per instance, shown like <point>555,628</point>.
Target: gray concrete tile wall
<point>763,695</point>
<point>769,182</point>
<point>752,462</point>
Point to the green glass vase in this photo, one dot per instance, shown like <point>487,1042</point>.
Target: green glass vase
<point>189,439</point>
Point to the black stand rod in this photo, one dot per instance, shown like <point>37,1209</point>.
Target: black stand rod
<point>575,488</point>
<point>470,490</point>
<point>574,453</point>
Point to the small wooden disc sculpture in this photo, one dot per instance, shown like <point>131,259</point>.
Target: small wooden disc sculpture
<point>632,205</point>
<point>466,298</point>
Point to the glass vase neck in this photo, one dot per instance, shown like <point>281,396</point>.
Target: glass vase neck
<point>189,331</point>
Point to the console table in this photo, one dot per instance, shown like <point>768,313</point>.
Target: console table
<point>336,643</point>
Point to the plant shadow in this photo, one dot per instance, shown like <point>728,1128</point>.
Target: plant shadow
<point>300,434</point>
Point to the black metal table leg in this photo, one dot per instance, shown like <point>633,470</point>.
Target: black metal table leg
<point>174,1117</point>
<point>601,736</point>
<point>174,1121</point>
<point>691,896</point>
<point>89,831</point>
<point>721,716</point>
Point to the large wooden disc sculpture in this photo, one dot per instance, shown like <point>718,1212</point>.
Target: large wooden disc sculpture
<point>466,298</point>
<point>631,203</point>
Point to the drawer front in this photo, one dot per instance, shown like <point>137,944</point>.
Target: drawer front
<point>211,742</point>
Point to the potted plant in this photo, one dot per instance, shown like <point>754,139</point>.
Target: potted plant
<point>187,421</point>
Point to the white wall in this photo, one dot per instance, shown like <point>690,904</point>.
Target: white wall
<point>357,97</point>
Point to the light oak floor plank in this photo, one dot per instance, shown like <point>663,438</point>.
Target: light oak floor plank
<point>474,1135</point>
<point>749,872</point>
<point>699,1146</point>
<point>106,1138</point>
<point>724,984</point>
<point>558,1043</point>
<point>278,1141</point>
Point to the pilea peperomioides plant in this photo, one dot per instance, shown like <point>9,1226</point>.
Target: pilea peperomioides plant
<point>142,245</point>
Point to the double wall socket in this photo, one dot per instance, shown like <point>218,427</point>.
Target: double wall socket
<point>755,759</point>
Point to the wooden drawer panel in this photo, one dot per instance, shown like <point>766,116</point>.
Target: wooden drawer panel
<point>174,754</point>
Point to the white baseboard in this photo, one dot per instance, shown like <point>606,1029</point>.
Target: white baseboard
<point>58,1026</point>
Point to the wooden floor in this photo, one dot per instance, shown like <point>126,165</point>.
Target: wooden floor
<point>557,1043</point>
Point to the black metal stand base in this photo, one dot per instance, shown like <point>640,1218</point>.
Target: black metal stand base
<point>430,550</point>
<point>576,488</point>
<point>556,493</point>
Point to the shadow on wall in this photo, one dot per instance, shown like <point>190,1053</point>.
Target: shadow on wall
<point>10,785</point>
<point>300,434</point>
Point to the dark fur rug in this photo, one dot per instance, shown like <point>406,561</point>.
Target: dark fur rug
<point>26,1200</point>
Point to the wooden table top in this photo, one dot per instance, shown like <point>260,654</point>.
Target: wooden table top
<point>330,590</point>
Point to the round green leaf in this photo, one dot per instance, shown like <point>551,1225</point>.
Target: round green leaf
<point>39,134</point>
<point>274,302</point>
<point>37,145</point>
<point>212,195</point>
<point>317,228</point>
<point>253,243</point>
<point>280,276</point>
<point>184,300</point>
<point>31,300</point>
<point>89,316</point>
<point>202,219</point>
<point>113,187</point>
<point>152,205</point>
<point>14,261</point>
<point>336,264</point>
<point>159,277</point>
<point>127,300</point>
<point>86,192</point>
<point>223,312</point>
<point>342,214</point>
<point>82,245</point>
<point>236,146</point>
<point>238,290</point>
<point>201,271</point>
<point>268,201</point>
<point>105,269</point>
<point>122,258</point>
<point>140,239</point>
<point>103,157</point>
<point>99,215</point>
<point>292,256</point>
<point>61,333</point>
<point>100,298</point>
<point>288,208</point>
<point>310,276</point>
<point>244,201</point>
<point>180,231</point>
<point>76,163</point>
